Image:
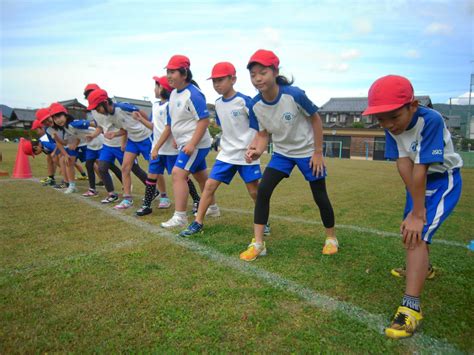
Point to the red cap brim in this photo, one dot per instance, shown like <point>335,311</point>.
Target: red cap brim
<point>381,109</point>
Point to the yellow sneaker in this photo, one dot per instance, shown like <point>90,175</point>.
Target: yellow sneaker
<point>82,177</point>
<point>330,246</point>
<point>404,323</point>
<point>253,252</point>
<point>402,272</point>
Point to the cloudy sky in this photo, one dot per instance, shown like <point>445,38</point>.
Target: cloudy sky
<point>51,49</point>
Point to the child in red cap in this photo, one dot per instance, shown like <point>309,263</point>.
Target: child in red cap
<point>232,115</point>
<point>417,138</point>
<point>188,119</point>
<point>289,115</point>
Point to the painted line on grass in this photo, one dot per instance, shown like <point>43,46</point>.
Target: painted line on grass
<point>420,342</point>
<point>342,226</point>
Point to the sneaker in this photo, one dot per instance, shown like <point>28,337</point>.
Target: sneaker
<point>330,246</point>
<point>82,177</point>
<point>404,324</point>
<point>253,252</point>
<point>164,202</point>
<point>213,211</point>
<point>61,185</point>
<point>175,221</point>
<point>143,211</point>
<point>124,204</point>
<point>48,181</point>
<point>266,229</point>
<point>90,193</point>
<point>109,199</point>
<point>195,208</point>
<point>44,180</point>
<point>402,272</point>
<point>70,190</point>
<point>193,228</point>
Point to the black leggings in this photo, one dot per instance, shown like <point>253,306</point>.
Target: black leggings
<point>104,167</point>
<point>271,178</point>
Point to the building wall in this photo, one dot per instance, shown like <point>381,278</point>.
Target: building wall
<point>362,147</point>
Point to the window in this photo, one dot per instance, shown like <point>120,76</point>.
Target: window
<point>342,118</point>
<point>356,119</point>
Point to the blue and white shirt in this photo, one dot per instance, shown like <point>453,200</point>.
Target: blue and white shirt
<point>186,107</point>
<point>122,115</point>
<point>108,125</point>
<point>159,117</point>
<point>426,141</point>
<point>233,116</point>
<point>288,119</point>
<point>80,129</point>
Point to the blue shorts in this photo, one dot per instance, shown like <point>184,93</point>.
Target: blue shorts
<point>224,172</point>
<point>158,166</point>
<point>49,147</point>
<point>285,165</point>
<point>193,163</point>
<point>109,154</point>
<point>143,147</point>
<point>92,154</point>
<point>79,153</point>
<point>443,191</point>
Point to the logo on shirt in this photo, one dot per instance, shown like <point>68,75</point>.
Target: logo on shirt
<point>413,146</point>
<point>437,152</point>
<point>288,117</point>
<point>236,113</point>
<point>178,104</point>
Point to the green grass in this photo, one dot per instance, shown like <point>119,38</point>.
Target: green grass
<point>73,278</point>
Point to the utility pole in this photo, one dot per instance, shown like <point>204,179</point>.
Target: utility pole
<point>468,130</point>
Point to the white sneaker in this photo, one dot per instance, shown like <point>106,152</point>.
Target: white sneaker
<point>213,212</point>
<point>175,221</point>
<point>70,190</point>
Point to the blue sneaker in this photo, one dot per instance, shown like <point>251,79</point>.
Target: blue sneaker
<point>266,229</point>
<point>192,229</point>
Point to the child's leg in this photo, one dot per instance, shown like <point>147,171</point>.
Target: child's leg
<point>137,170</point>
<point>193,192</point>
<point>252,188</point>
<point>91,173</point>
<point>207,198</point>
<point>160,182</point>
<point>271,178</point>
<point>106,178</point>
<point>50,165</point>
<point>320,196</point>
<point>180,188</point>
<point>150,188</point>
<point>79,167</point>
<point>128,162</point>
<point>417,262</point>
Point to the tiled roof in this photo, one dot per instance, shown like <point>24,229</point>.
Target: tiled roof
<point>356,104</point>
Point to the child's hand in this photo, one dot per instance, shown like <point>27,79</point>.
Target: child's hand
<point>89,137</point>
<point>316,163</point>
<point>188,149</point>
<point>136,115</point>
<point>252,154</point>
<point>154,154</point>
<point>411,229</point>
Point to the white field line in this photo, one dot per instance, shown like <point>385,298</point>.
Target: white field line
<point>374,322</point>
<point>355,228</point>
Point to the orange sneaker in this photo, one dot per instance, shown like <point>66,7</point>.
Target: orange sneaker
<point>253,252</point>
<point>330,246</point>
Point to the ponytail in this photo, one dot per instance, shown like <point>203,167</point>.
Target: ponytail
<point>283,80</point>
<point>189,76</point>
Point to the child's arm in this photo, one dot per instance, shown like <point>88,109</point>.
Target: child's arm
<point>110,135</point>
<point>60,145</point>
<point>141,116</point>
<point>124,139</point>
<point>98,131</point>
<point>414,177</point>
<point>201,127</point>
<point>257,147</point>
<point>317,161</point>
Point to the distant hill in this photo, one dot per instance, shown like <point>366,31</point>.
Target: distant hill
<point>456,110</point>
<point>6,111</point>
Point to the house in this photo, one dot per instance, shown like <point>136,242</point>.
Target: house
<point>141,104</point>
<point>349,134</point>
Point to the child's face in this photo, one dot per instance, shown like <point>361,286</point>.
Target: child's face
<point>37,149</point>
<point>101,109</point>
<point>60,119</point>
<point>48,122</point>
<point>224,85</point>
<point>40,131</point>
<point>157,90</point>
<point>398,120</point>
<point>263,78</point>
<point>175,79</point>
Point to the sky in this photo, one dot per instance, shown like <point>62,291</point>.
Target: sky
<point>51,49</point>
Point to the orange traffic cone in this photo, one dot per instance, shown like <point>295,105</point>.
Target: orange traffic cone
<point>22,169</point>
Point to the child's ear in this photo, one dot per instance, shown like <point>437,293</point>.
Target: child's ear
<point>414,105</point>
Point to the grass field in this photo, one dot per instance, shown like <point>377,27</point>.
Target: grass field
<point>76,276</point>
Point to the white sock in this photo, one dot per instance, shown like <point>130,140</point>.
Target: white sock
<point>180,214</point>
<point>213,207</point>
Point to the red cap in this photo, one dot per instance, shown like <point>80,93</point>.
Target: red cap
<point>96,97</point>
<point>264,57</point>
<point>178,61</point>
<point>90,87</point>
<point>389,93</point>
<point>27,147</point>
<point>42,114</point>
<point>36,124</point>
<point>56,108</point>
<point>221,70</point>
<point>163,81</point>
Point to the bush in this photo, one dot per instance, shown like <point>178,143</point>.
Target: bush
<point>358,125</point>
<point>13,133</point>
